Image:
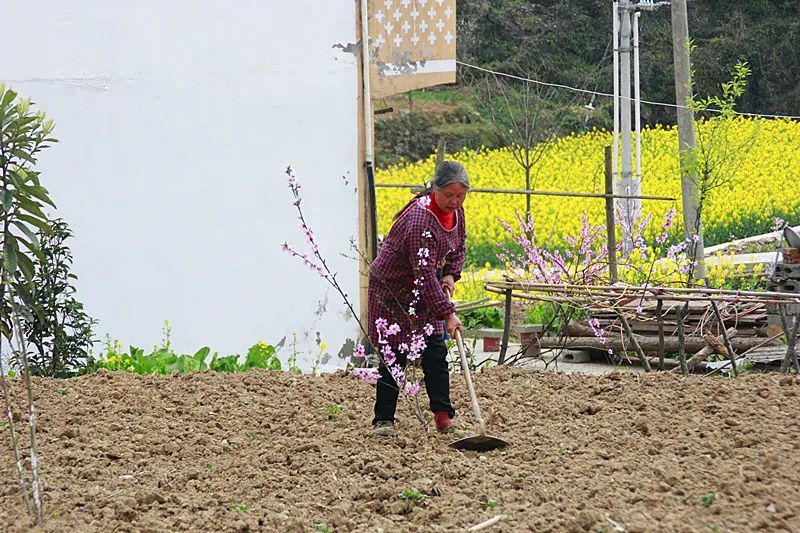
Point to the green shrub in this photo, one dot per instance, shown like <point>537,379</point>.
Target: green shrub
<point>56,324</point>
<point>489,317</point>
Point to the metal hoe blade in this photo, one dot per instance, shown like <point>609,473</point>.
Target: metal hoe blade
<point>479,443</point>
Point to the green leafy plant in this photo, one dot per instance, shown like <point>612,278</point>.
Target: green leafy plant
<point>23,134</point>
<point>708,499</point>
<point>413,495</point>
<point>56,324</point>
<point>163,360</point>
<point>333,410</point>
<point>243,507</point>
<point>261,355</point>
<point>292,361</point>
<point>489,503</point>
<point>322,354</point>
<point>323,528</point>
<point>489,317</point>
<point>228,363</point>
<point>719,151</point>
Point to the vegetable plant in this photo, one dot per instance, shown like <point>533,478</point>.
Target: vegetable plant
<point>333,410</point>
<point>164,360</point>
<point>708,499</point>
<point>489,317</point>
<point>413,495</point>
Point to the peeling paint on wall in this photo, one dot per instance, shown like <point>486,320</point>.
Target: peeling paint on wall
<point>322,306</point>
<point>347,349</point>
<point>349,48</point>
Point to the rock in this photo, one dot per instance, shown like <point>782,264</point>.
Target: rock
<point>149,498</point>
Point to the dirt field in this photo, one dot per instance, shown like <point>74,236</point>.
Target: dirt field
<point>258,451</point>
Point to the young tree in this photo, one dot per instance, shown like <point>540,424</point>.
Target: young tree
<point>23,134</point>
<point>526,117</point>
<point>719,152</point>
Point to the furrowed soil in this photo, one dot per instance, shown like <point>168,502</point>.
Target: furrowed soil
<point>258,451</point>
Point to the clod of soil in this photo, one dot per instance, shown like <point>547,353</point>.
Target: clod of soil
<point>267,451</point>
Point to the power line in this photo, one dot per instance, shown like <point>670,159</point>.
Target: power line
<point>597,93</point>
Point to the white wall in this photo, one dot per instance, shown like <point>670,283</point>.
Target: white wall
<point>176,120</point>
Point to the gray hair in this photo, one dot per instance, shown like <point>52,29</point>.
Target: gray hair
<point>447,173</point>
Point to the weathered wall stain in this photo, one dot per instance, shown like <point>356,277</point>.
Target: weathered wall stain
<point>347,349</point>
<point>349,48</point>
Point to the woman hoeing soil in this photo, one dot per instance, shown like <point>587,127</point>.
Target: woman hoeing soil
<point>423,254</point>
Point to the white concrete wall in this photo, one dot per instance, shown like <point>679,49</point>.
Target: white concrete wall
<point>176,120</point>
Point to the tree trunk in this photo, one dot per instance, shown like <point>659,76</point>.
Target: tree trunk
<point>527,196</point>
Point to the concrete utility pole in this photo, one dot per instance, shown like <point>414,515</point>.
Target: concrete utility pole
<point>690,194</point>
<point>627,184</point>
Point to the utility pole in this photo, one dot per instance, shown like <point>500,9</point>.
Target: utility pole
<point>687,143</point>
<point>627,185</point>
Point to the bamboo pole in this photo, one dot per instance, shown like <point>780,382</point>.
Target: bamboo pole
<point>464,308</point>
<point>524,296</point>
<point>675,297</point>
<point>661,292</point>
<point>565,194</point>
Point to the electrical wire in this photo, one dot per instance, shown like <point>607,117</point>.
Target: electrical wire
<point>597,93</point>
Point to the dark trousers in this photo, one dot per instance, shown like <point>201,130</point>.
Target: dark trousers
<point>437,382</point>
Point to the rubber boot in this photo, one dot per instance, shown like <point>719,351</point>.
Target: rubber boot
<point>442,421</point>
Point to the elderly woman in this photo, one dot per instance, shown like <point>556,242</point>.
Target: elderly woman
<point>422,255</point>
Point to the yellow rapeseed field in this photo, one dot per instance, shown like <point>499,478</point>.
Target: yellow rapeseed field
<point>763,186</point>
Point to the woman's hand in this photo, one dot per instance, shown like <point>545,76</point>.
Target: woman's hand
<point>453,323</point>
<point>449,284</point>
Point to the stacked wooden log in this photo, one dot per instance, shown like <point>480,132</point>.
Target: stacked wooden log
<point>580,335</point>
<point>691,322</point>
<point>749,318</point>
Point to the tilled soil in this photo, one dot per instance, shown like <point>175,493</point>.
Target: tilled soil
<point>259,451</point>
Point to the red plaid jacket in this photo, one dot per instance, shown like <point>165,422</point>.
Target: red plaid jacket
<point>404,273</point>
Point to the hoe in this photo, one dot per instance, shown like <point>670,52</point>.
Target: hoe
<point>480,442</point>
